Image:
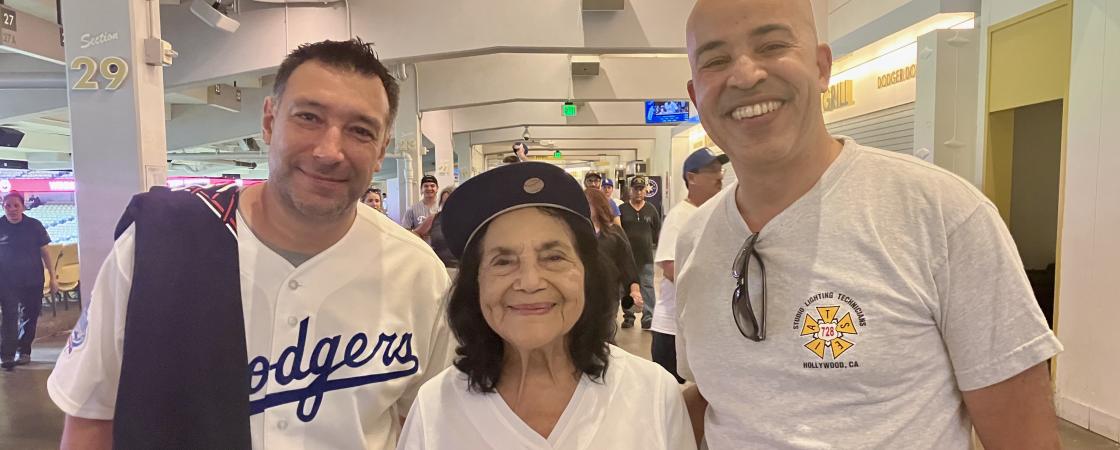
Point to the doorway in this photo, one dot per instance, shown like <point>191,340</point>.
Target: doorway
<point>1028,81</point>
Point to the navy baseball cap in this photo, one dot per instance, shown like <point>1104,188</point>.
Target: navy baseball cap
<point>700,158</point>
<point>428,179</point>
<point>495,192</point>
<point>607,182</point>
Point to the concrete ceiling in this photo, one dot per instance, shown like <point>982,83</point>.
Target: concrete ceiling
<point>494,82</point>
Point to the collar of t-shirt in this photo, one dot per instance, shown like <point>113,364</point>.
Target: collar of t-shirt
<point>296,259</point>
<point>828,180</point>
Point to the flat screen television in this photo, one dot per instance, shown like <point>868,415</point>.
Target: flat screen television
<point>667,111</point>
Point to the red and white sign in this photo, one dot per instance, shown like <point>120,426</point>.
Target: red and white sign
<point>68,184</point>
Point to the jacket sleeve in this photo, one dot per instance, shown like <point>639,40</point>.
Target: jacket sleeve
<point>624,257</point>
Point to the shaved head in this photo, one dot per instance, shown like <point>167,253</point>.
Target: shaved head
<point>797,12</point>
<point>757,74</point>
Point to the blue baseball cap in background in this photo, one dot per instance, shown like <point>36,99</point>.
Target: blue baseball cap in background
<point>700,158</point>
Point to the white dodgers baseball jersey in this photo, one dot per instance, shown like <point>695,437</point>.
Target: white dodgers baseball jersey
<point>337,347</point>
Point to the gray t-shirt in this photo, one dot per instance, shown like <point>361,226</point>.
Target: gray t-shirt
<point>892,286</point>
<point>415,215</point>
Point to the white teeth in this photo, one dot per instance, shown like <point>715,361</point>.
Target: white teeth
<point>751,111</point>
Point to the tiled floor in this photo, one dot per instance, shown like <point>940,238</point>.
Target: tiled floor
<point>29,421</point>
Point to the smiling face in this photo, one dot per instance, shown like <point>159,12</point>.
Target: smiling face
<point>429,189</point>
<point>327,135</point>
<point>373,200</point>
<point>757,75</point>
<point>530,278</point>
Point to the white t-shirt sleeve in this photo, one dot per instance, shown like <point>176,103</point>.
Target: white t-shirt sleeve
<point>441,346</point>
<point>412,436</point>
<point>989,318</point>
<point>678,428</point>
<point>685,244</point>
<point>667,241</point>
<point>85,379</point>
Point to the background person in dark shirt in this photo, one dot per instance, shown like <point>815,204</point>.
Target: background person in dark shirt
<point>23,254</point>
<point>642,222</point>
<point>614,245</point>
<point>432,231</point>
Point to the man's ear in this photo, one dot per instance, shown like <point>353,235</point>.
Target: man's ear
<point>268,117</point>
<point>824,66</point>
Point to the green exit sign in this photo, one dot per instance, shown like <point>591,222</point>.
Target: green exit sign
<point>557,154</point>
<point>569,109</point>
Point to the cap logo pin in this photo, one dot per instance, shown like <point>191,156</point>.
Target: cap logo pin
<point>533,185</point>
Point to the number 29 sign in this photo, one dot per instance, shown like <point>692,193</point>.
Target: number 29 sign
<point>113,69</point>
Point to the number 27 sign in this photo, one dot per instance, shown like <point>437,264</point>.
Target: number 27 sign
<point>113,69</point>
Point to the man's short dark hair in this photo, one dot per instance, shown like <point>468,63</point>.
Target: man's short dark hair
<point>353,55</point>
<point>481,349</point>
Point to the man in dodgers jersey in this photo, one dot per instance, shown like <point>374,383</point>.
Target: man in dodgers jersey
<point>342,308</point>
<point>889,307</point>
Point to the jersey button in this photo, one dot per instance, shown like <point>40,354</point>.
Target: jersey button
<point>293,285</point>
<point>282,424</point>
<point>293,321</point>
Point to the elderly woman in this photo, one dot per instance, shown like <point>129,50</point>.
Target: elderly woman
<point>23,255</point>
<point>532,310</point>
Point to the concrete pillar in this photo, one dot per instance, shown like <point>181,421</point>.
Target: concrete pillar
<point>660,162</point>
<point>461,142</point>
<point>406,131</point>
<point>116,116</point>
<point>436,125</point>
<point>392,202</point>
<point>945,122</point>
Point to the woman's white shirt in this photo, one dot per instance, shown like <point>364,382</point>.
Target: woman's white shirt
<point>637,404</point>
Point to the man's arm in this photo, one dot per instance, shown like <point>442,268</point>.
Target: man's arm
<point>53,281</point>
<point>87,434</point>
<point>697,405</point>
<point>1016,413</point>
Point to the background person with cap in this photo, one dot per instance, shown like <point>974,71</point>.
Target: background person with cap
<point>703,177</point>
<point>416,214</point>
<point>608,189</point>
<point>593,180</point>
<point>533,316</point>
<point>642,222</point>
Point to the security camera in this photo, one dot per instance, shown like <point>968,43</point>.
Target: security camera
<point>214,14</point>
